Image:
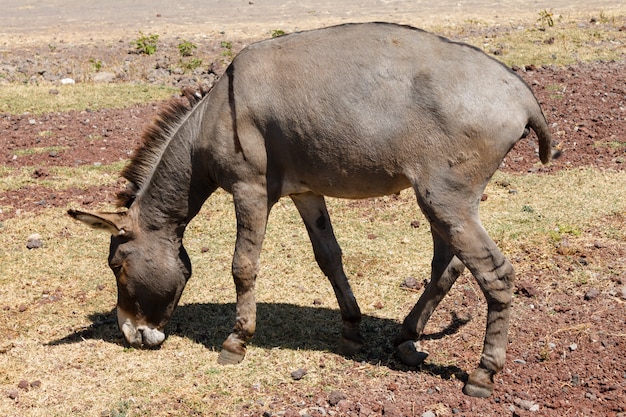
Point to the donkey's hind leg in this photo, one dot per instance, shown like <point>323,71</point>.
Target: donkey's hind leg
<point>495,275</point>
<point>312,209</point>
<point>446,268</point>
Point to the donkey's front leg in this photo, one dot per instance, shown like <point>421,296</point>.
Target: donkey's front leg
<point>252,209</point>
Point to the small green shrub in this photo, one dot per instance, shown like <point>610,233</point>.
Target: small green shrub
<point>546,18</point>
<point>277,32</point>
<point>97,64</point>
<point>146,44</point>
<point>186,48</point>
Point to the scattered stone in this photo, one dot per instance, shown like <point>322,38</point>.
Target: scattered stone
<point>67,81</point>
<point>592,294</point>
<point>35,384</point>
<point>429,414</point>
<point>298,374</point>
<point>53,91</point>
<point>34,241</point>
<point>391,410</point>
<point>103,77</point>
<point>364,410</point>
<point>526,289</point>
<point>317,302</point>
<point>519,361</point>
<point>526,404</point>
<point>205,249</point>
<point>411,284</point>
<point>415,224</point>
<point>23,384</point>
<point>13,394</point>
<point>40,173</point>
<point>22,308</point>
<point>344,406</point>
<point>484,197</point>
<point>378,305</point>
<point>335,396</point>
<point>573,347</point>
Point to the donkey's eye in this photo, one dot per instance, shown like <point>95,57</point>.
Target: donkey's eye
<point>116,269</point>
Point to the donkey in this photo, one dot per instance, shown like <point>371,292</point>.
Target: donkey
<point>352,111</point>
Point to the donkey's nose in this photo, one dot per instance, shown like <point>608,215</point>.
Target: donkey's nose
<point>138,336</point>
<point>151,337</point>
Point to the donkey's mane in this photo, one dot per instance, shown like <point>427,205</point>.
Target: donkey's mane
<point>154,140</point>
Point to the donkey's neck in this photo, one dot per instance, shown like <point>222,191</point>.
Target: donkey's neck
<point>170,196</point>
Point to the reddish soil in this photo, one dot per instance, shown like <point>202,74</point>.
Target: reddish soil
<point>567,351</point>
<point>585,106</point>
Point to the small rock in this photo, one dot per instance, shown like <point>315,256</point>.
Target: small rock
<point>317,302</point>
<point>344,406</point>
<point>378,305</point>
<point>411,284</point>
<point>592,294</point>
<point>298,374</point>
<point>40,173</point>
<point>335,396</point>
<point>364,410</point>
<point>429,414</point>
<point>13,394</point>
<point>68,81</point>
<point>23,384</point>
<point>415,224</point>
<point>526,404</point>
<point>35,384</point>
<point>53,91</point>
<point>205,249</point>
<point>103,77</point>
<point>391,410</point>
<point>519,361</point>
<point>484,197</point>
<point>526,289</point>
<point>573,347</point>
<point>34,241</point>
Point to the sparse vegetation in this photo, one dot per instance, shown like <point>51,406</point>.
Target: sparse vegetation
<point>546,18</point>
<point>146,44</point>
<point>186,48</point>
<point>277,32</point>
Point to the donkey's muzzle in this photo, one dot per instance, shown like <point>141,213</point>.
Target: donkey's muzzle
<point>138,336</point>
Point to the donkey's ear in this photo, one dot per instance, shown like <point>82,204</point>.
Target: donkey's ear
<point>109,222</point>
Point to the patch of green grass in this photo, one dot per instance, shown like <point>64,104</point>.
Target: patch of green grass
<point>36,99</point>
<point>36,151</point>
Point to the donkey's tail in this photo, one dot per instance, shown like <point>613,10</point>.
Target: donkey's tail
<point>538,124</point>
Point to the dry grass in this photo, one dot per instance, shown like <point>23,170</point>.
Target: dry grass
<point>568,41</point>
<point>36,99</point>
<point>57,325</point>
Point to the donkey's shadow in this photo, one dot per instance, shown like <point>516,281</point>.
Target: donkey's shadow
<point>281,325</point>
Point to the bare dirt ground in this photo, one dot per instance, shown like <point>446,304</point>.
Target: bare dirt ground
<point>566,355</point>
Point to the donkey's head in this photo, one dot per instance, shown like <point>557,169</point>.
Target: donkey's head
<point>151,269</point>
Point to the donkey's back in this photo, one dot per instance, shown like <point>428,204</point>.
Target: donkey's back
<point>361,110</point>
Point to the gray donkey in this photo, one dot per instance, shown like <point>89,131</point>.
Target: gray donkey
<point>353,111</point>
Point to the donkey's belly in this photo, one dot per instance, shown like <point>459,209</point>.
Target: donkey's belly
<point>345,184</point>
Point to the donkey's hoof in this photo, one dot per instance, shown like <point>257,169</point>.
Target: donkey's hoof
<point>227,357</point>
<point>410,354</point>
<point>349,347</point>
<point>479,384</point>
